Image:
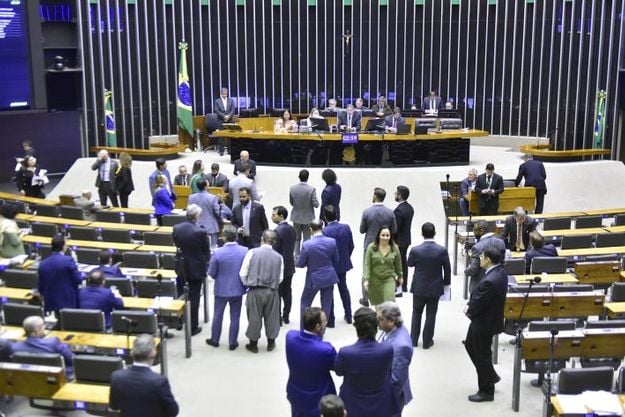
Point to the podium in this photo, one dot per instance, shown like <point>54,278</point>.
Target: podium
<point>510,199</point>
<point>182,193</point>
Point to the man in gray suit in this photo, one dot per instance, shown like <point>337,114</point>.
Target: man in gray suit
<point>210,219</point>
<point>373,219</point>
<point>242,181</point>
<point>105,181</point>
<point>303,198</point>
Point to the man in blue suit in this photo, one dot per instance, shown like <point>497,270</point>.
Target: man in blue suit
<point>485,310</point>
<point>432,272</point>
<point>95,296</point>
<point>137,391</point>
<point>366,366</point>
<point>285,246</point>
<point>107,267</point>
<point>310,360</point>
<point>535,176</point>
<point>59,278</point>
<point>342,235</point>
<point>161,169</point>
<point>224,268</point>
<point>395,333</point>
<point>36,342</point>
<point>394,120</point>
<point>320,255</point>
<point>210,219</point>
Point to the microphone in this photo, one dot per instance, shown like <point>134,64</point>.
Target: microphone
<point>447,176</point>
<point>537,280</point>
<point>159,277</point>
<point>554,332</point>
<point>131,322</point>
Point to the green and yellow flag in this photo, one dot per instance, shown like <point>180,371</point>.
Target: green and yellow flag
<point>109,119</point>
<point>185,110</point>
<point>599,120</point>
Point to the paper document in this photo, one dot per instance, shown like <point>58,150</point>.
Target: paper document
<point>40,177</point>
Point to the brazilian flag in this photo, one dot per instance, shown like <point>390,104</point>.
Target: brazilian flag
<point>185,111</point>
<point>109,119</point>
<point>599,120</point>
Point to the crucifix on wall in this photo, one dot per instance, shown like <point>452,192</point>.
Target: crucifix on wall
<point>347,40</point>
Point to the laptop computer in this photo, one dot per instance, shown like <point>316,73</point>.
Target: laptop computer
<point>403,129</point>
<point>320,125</point>
<point>234,127</point>
<point>375,125</point>
<point>420,130</point>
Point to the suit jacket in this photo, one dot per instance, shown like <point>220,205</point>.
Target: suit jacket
<point>403,217</point>
<point>285,246</point>
<point>486,305</point>
<point>303,198</point>
<point>47,345</point>
<point>342,235</point>
<point>496,185</point>
<point>310,360</point>
<point>546,250</point>
<point>427,100</point>
<point>98,180</point>
<point>222,111</point>
<point>110,271</point>
<point>100,298</point>
<point>401,342</point>
<point>509,232</point>
<point>331,195</point>
<point>534,173</point>
<point>178,179</point>
<point>320,255</point>
<point>238,182</point>
<point>373,218</point>
<point>224,268</point>
<point>386,109</point>
<point>432,269</point>
<point>210,219</point>
<point>152,180</point>
<point>162,201</point>
<point>389,121</point>
<point>367,389</point>
<point>258,222</point>
<point>123,180</point>
<point>341,120</point>
<point>465,187</point>
<point>192,240</point>
<point>474,270</point>
<point>250,163</point>
<point>58,282</point>
<point>138,392</point>
<point>219,180</point>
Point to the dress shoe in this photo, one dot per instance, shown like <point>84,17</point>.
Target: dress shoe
<point>233,347</point>
<point>330,325</point>
<point>364,302</point>
<point>271,345</point>
<point>399,295</point>
<point>211,343</point>
<point>252,347</point>
<point>286,320</point>
<point>536,383</point>
<point>197,330</point>
<point>480,397</point>
<point>348,320</point>
<point>497,379</point>
<point>169,335</point>
<point>427,345</point>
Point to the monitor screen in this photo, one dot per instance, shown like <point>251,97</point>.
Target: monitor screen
<point>349,138</point>
<point>14,56</point>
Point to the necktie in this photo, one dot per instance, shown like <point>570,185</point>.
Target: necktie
<point>394,122</point>
<point>349,121</point>
<point>431,104</point>
<point>519,236</point>
<point>488,181</point>
<point>184,180</point>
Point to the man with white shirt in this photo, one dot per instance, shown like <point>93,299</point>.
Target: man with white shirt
<point>224,108</point>
<point>105,181</point>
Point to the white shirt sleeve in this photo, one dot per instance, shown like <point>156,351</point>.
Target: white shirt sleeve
<point>245,267</point>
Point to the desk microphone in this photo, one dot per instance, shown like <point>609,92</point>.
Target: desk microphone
<point>447,176</point>
<point>131,322</point>
<point>554,332</point>
<point>536,280</point>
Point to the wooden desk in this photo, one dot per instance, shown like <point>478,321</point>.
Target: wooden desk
<point>511,198</point>
<point>607,212</point>
<point>17,294</point>
<point>555,305</point>
<point>574,232</point>
<point>569,344</point>
<point>131,210</point>
<point>30,380</point>
<point>124,226</point>
<point>611,250</point>
<point>559,407</point>
<point>149,273</point>
<point>44,240</point>
<point>547,279</point>
<point>174,308</point>
<point>615,310</point>
<point>156,248</point>
<point>615,229</point>
<point>59,220</point>
<point>24,216</point>
<point>165,229</point>
<point>30,200</point>
<point>182,193</point>
<point>85,393</point>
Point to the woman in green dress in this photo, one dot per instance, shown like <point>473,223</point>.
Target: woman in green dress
<point>10,235</point>
<point>196,175</point>
<point>382,269</point>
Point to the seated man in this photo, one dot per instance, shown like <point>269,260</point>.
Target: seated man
<point>466,186</point>
<point>88,207</point>
<point>394,120</point>
<point>37,343</point>
<point>516,230</point>
<point>349,120</point>
<point>381,108</point>
<point>107,267</point>
<point>96,297</point>
<point>538,248</point>
<point>332,106</point>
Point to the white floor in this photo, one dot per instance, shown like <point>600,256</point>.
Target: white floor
<point>217,382</point>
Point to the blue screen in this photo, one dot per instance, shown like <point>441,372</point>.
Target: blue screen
<point>349,138</point>
<point>14,56</point>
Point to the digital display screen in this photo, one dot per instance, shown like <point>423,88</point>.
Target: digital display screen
<point>349,138</point>
<point>14,56</point>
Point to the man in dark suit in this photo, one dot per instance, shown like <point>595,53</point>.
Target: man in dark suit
<point>285,245</point>
<point>192,243</point>
<point>95,296</point>
<point>516,230</point>
<point>342,235</point>
<point>403,217</point>
<point>216,178</point>
<point>249,218</point>
<point>381,108</point>
<point>320,256</point>
<point>474,271</point>
<point>485,310</point>
<point>310,360</point>
<point>183,177</point>
<point>137,391</point>
<point>366,367</point>
<point>224,108</point>
<point>394,120</point>
<point>538,248</point>
<point>107,267</point>
<point>395,333</point>
<point>432,272</point>
<point>432,102</point>
<point>489,185</point>
<point>244,157</point>
<point>105,181</point>
<point>59,278</point>
<point>535,176</point>
<point>349,120</point>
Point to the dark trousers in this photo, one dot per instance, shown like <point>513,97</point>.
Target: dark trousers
<point>195,292</point>
<point>159,219</point>
<point>218,316</point>
<point>345,298</point>
<point>326,299</point>
<point>123,200</point>
<point>286,295</point>
<point>403,250</point>
<point>431,306</point>
<point>105,190</point>
<point>540,200</point>
<point>478,347</point>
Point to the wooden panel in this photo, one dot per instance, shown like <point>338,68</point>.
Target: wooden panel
<point>182,196</point>
<point>510,199</point>
<point>30,380</point>
<point>598,272</point>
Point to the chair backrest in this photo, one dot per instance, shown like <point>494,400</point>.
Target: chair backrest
<point>46,359</point>
<point>211,122</point>
<point>605,240</point>
<point>605,324</point>
<point>108,216</point>
<point>577,242</point>
<point>140,321</point>
<point>14,314</point>
<point>44,229</point>
<point>572,287</point>
<point>524,288</point>
<point>138,218</point>
<point>548,264</point>
<point>578,380</point>
<point>18,278</point>
<point>149,288</point>
<point>588,221</point>
<point>124,285</point>
<point>71,212</point>
<point>44,251</point>
<point>173,219</point>
<point>515,266</point>
<point>113,235</point>
<point>619,220</point>
<point>88,256</point>
<point>95,368</point>
<point>168,260</point>
<point>83,233</point>
<point>162,239</point>
<point>509,183</point>
<point>617,292</point>
<point>542,326</point>
<point>45,210</point>
<point>140,260</point>
<point>82,320</point>
<point>557,223</point>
